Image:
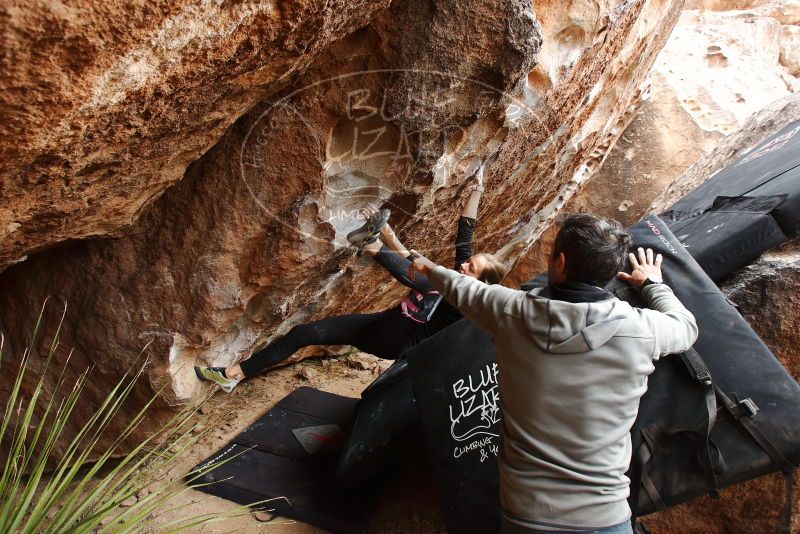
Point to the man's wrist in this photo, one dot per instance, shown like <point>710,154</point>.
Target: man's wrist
<point>649,281</point>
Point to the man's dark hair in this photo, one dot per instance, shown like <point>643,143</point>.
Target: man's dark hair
<point>595,248</point>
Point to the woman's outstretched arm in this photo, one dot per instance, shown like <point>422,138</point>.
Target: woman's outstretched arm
<point>466,223</point>
<point>471,208</point>
<point>397,266</point>
<point>390,254</point>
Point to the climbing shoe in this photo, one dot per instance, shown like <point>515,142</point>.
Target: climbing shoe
<point>370,230</point>
<point>216,375</point>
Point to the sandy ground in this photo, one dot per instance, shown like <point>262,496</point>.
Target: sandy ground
<point>409,503</point>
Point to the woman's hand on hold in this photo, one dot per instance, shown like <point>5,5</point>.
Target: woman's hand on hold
<point>420,264</point>
<point>367,210</point>
<point>478,177</point>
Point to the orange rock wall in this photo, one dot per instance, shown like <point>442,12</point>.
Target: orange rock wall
<point>393,106</point>
<point>105,104</point>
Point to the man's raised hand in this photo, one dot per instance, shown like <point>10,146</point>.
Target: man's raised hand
<point>643,268</point>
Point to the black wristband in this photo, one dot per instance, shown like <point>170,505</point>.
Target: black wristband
<point>647,282</point>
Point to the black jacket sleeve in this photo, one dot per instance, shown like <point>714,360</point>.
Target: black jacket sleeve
<point>398,267</point>
<point>466,226</point>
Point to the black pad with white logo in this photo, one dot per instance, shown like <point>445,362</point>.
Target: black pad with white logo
<point>454,377</point>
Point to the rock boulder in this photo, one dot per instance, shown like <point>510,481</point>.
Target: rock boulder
<point>105,105</point>
<point>250,241</point>
<point>724,62</point>
<point>768,295</point>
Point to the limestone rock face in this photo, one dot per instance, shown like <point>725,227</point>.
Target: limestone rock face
<point>105,106</point>
<point>251,240</point>
<point>768,295</point>
<point>723,62</point>
<point>762,124</point>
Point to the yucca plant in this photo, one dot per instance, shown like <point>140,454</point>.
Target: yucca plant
<point>41,494</point>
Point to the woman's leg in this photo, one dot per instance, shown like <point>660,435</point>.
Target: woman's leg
<point>376,333</point>
<point>371,249</point>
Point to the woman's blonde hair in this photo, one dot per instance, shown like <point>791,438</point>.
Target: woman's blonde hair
<point>495,270</point>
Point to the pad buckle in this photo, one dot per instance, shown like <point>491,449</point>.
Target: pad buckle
<point>748,407</point>
<point>705,378</point>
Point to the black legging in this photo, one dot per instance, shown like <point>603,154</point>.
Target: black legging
<point>384,334</point>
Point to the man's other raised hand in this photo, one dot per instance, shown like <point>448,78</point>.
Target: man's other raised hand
<point>644,267</point>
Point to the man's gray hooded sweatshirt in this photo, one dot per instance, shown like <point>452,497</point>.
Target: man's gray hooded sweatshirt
<point>571,376</point>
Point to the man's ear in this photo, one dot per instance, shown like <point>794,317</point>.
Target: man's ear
<point>561,263</point>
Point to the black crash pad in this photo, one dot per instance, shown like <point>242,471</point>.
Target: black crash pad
<point>454,374</point>
<point>741,366</point>
<point>384,430</point>
<point>751,205</point>
<point>290,453</point>
<point>454,381</point>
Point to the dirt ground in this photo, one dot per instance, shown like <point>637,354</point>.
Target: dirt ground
<point>409,504</point>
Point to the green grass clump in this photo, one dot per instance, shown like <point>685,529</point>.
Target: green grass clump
<point>41,493</point>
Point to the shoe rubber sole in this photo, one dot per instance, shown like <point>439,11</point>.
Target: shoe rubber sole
<point>370,230</point>
<point>225,384</point>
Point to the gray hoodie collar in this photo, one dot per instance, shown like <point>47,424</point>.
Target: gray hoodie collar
<point>574,327</point>
<point>576,292</point>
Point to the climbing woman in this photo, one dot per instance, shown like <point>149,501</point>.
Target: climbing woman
<point>386,334</point>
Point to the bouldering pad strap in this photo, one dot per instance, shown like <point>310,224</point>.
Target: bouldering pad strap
<point>708,455</point>
<point>699,371</point>
<point>626,293</point>
<point>711,410</point>
<point>696,366</point>
<point>743,411</point>
<point>640,478</point>
<point>645,453</point>
<point>788,513</point>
